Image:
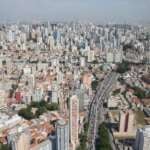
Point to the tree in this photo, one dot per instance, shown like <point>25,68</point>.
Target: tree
<point>68,101</point>
<point>94,85</point>
<point>123,67</point>
<point>116,92</point>
<point>95,62</point>
<point>102,142</point>
<point>14,86</point>
<point>83,137</point>
<point>41,106</point>
<point>5,147</point>
<point>139,92</point>
<point>35,104</point>
<point>83,140</point>
<point>42,103</point>
<point>4,62</point>
<point>52,106</point>
<point>26,113</point>
<point>40,111</point>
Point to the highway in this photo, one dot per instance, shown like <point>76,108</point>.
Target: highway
<point>96,110</point>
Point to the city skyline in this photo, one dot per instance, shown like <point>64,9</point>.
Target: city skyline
<point>98,11</point>
<point>63,84</point>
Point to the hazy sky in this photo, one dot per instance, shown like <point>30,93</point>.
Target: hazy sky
<point>101,11</point>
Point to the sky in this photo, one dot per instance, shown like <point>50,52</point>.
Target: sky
<point>98,11</point>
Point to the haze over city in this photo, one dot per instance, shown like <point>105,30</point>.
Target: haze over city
<point>74,75</point>
<point>99,11</point>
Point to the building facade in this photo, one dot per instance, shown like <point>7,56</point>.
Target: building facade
<point>74,120</point>
<point>62,135</point>
<point>143,139</point>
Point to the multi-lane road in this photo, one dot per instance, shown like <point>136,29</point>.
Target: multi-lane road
<point>96,110</point>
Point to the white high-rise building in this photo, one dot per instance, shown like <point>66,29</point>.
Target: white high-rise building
<point>114,56</point>
<point>82,61</point>
<point>10,36</point>
<point>19,139</point>
<point>62,135</point>
<point>45,145</point>
<point>91,55</point>
<point>38,94</point>
<point>109,57</point>
<point>118,56</point>
<point>27,70</point>
<point>3,97</point>
<point>143,139</point>
<point>55,92</point>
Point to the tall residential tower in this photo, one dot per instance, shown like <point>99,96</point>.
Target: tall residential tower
<point>74,120</point>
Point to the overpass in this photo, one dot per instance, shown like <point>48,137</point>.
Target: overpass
<point>96,110</point>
